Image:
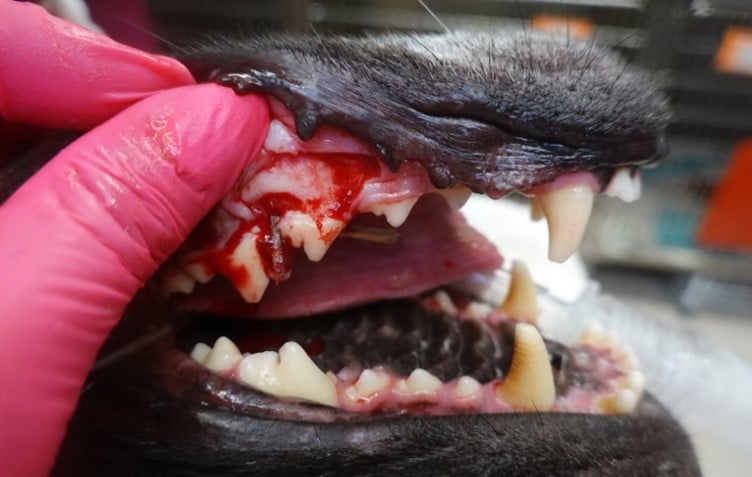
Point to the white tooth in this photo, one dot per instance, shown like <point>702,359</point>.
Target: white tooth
<point>457,196</point>
<point>567,212</point>
<point>315,237</point>
<point>635,381</point>
<point>521,302</point>
<point>246,255</point>
<point>369,383</point>
<point>421,381</point>
<point>395,213</point>
<point>177,281</point>
<point>199,272</point>
<point>536,209</point>
<point>623,402</point>
<point>445,302</point>
<point>200,352</point>
<point>223,356</point>
<point>466,387</point>
<point>290,373</point>
<point>592,334</point>
<point>478,311</point>
<point>530,381</point>
<point>625,185</point>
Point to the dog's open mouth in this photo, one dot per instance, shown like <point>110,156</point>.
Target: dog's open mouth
<point>325,314</point>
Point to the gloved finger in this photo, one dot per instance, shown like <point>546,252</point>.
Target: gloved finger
<point>59,75</point>
<point>84,234</point>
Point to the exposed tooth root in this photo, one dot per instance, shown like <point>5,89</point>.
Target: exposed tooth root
<point>456,196</point>
<point>223,356</point>
<point>200,352</point>
<point>303,231</point>
<point>466,387</point>
<point>567,212</point>
<point>521,302</point>
<point>246,255</point>
<point>369,383</point>
<point>536,209</point>
<point>395,213</point>
<point>625,185</point>
<point>623,402</point>
<point>530,381</point>
<point>421,381</point>
<point>290,373</point>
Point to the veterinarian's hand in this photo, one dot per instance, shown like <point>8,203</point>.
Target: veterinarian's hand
<point>80,238</point>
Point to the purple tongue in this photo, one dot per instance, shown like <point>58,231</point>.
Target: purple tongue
<point>435,246</point>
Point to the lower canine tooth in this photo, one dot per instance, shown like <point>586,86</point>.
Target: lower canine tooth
<point>567,211</point>
<point>223,356</point>
<point>530,381</point>
<point>289,373</point>
<point>521,302</point>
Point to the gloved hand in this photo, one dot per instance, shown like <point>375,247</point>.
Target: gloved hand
<point>80,238</point>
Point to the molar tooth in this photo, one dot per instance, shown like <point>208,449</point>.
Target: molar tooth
<point>625,185</point>
<point>314,236</point>
<point>421,381</point>
<point>457,196</point>
<point>246,255</point>
<point>289,373</point>
<point>395,213</point>
<point>567,212</point>
<point>200,352</point>
<point>466,387</point>
<point>530,381</point>
<point>521,302</point>
<point>223,356</point>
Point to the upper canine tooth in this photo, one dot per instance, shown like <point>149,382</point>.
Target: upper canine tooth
<point>625,185</point>
<point>223,356</point>
<point>246,255</point>
<point>567,212</point>
<point>530,381</point>
<point>395,213</point>
<point>288,373</point>
<point>536,209</point>
<point>521,302</point>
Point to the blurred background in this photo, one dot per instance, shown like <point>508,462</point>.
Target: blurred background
<point>683,253</point>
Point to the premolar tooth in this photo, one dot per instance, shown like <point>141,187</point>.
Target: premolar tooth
<point>530,381</point>
<point>622,402</point>
<point>200,352</point>
<point>521,302</point>
<point>466,387</point>
<point>177,281</point>
<point>567,212</point>
<point>246,255</point>
<point>395,213</point>
<point>457,196</point>
<point>625,184</point>
<point>289,373</point>
<point>369,383</point>
<point>223,356</point>
<point>315,237</point>
<point>421,381</point>
<point>199,272</point>
<point>536,209</point>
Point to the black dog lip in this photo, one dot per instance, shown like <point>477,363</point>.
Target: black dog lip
<point>505,115</point>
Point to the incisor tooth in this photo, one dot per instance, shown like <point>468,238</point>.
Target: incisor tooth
<point>625,185</point>
<point>567,211</point>
<point>223,356</point>
<point>530,381</point>
<point>457,196</point>
<point>314,236</point>
<point>521,302</point>
<point>421,381</point>
<point>289,373</point>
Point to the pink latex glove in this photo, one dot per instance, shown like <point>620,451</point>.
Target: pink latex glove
<point>81,237</point>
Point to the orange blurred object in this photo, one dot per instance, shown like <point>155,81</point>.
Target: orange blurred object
<point>573,26</point>
<point>735,53</point>
<point>727,223</point>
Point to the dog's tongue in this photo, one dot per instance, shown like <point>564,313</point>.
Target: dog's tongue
<point>433,247</point>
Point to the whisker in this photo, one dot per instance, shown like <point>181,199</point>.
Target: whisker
<point>433,15</point>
